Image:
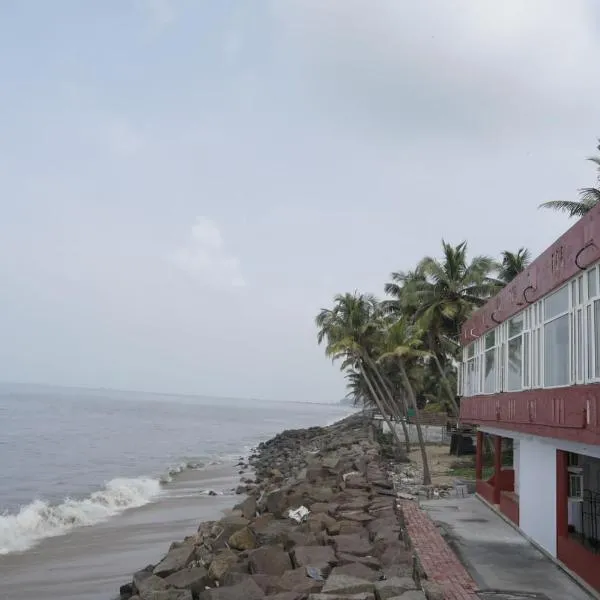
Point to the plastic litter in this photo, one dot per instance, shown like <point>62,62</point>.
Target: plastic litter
<point>299,514</point>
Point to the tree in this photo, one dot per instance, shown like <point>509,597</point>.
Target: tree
<point>350,330</point>
<point>402,349</point>
<point>588,197</point>
<point>512,263</point>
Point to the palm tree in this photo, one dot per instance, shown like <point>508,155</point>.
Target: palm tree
<point>350,329</point>
<point>588,197</point>
<point>403,349</point>
<point>512,264</point>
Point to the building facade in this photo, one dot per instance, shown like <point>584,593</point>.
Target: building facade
<point>530,380</point>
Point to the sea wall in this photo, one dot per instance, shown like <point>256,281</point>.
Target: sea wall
<point>349,546</point>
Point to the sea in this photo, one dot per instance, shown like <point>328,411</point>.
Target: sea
<point>96,484</point>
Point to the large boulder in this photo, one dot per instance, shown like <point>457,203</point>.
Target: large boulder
<point>144,586</point>
<point>369,561</point>
<point>276,502</point>
<point>352,544</point>
<point>346,584</point>
<point>358,570</point>
<point>225,528</point>
<point>221,565</point>
<point>171,594</point>
<point>269,560</point>
<point>297,580</point>
<point>243,539</point>
<point>314,556</point>
<point>177,558</point>
<point>396,586</point>
<point>342,596</point>
<point>192,578</point>
<point>247,507</point>
<point>248,590</point>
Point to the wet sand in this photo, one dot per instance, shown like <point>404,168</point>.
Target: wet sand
<point>91,563</point>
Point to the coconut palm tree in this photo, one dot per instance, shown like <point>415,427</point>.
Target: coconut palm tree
<point>403,349</point>
<point>350,330</point>
<point>588,197</point>
<point>512,263</point>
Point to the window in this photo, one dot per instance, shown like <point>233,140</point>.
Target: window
<point>556,338</point>
<point>515,363</point>
<point>490,363</point>
<point>592,282</point>
<point>575,470</point>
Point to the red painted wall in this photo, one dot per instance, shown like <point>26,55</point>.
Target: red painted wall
<point>552,268</point>
<point>570,413</point>
<point>485,490</point>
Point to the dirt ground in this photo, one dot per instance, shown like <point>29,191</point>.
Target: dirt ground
<point>440,463</point>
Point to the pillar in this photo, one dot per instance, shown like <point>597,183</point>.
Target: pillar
<point>562,494</point>
<point>479,456</point>
<point>497,468</point>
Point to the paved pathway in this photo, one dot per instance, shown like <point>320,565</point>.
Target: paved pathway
<point>496,556</point>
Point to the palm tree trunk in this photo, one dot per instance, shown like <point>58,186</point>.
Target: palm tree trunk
<point>380,406</point>
<point>390,397</point>
<point>446,385</point>
<point>413,399</point>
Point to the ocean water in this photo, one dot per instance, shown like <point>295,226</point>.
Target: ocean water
<point>95,483</point>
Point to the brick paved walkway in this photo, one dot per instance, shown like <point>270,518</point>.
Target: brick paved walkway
<point>437,558</point>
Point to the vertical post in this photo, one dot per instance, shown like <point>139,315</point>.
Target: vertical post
<point>562,494</point>
<point>479,456</point>
<point>497,468</point>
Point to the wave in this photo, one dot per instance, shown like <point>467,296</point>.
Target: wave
<point>39,519</point>
<point>180,468</point>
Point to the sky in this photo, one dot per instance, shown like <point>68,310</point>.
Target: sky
<point>185,183</point>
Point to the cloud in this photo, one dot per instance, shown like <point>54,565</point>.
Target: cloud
<point>161,13</point>
<point>445,64</point>
<point>204,257</point>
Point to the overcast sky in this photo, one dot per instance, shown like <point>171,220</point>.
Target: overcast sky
<point>184,184</point>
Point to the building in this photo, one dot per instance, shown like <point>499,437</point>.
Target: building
<point>530,380</point>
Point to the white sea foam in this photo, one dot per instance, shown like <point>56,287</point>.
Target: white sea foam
<point>40,520</point>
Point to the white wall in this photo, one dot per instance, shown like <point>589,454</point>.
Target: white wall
<point>537,492</point>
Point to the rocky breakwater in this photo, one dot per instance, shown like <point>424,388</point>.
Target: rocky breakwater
<point>348,546</point>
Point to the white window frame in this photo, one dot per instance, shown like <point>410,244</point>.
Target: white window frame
<point>569,312</point>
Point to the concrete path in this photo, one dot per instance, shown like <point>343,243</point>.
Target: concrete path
<point>497,557</point>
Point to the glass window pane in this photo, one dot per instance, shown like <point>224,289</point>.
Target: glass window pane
<point>489,385</point>
<point>539,357</point>
<point>515,325</point>
<point>490,340</point>
<point>556,303</point>
<point>526,360</point>
<point>590,342</point>
<point>597,336</point>
<point>556,352</point>
<point>579,318</point>
<point>471,350</point>
<point>515,364</point>
<point>580,290</point>
<point>592,283</point>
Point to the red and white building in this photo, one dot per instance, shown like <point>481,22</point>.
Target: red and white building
<point>530,380</point>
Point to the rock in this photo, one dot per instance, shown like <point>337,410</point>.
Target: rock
<point>248,507</point>
<point>178,558</point>
<point>319,507</point>
<point>321,494</point>
<point>248,590</point>
<point>358,570</point>
<point>270,532</point>
<point>243,539</point>
<point>361,596</point>
<point>276,502</point>
<point>352,544</point>
<point>221,565</point>
<point>356,482</point>
<point>288,596</point>
<point>358,517</point>
<point>144,587</point>
<point>346,584</point>
<point>168,595</point>
<point>265,582</point>
<point>269,560</point>
<point>410,595</point>
<point>296,580</point>
<point>240,489</point>
<point>126,591</point>
<point>193,578</point>
<point>314,556</point>
<point>432,590</point>
<point>396,586</point>
<point>299,538</point>
<point>352,527</point>
<point>225,528</point>
<point>369,561</point>
<point>139,577</point>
